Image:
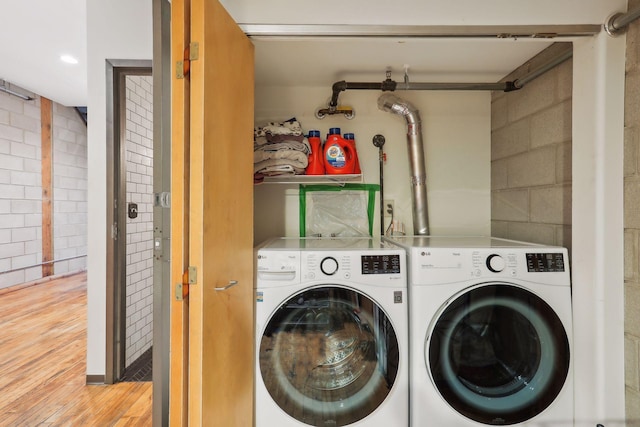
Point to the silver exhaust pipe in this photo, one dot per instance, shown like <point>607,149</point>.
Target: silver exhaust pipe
<point>392,104</point>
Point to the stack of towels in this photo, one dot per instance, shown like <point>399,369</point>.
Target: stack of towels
<point>279,149</point>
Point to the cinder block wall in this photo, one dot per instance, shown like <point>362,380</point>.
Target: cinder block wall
<point>632,221</point>
<point>139,164</point>
<point>69,189</point>
<point>531,156</point>
<point>21,189</point>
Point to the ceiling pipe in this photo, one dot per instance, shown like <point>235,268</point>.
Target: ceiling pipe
<point>5,89</point>
<point>389,85</point>
<point>618,22</point>
<point>532,75</point>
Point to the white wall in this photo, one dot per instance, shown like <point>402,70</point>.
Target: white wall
<point>457,140</point>
<point>597,222</point>
<point>118,29</point>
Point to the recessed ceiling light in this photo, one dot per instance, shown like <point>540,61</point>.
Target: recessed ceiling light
<point>68,59</point>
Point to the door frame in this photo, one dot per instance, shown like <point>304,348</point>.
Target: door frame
<point>162,161</point>
<point>116,73</point>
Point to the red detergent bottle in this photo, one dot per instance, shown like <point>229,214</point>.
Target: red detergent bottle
<point>316,164</point>
<point>338,154</point>
<point>351,139</point>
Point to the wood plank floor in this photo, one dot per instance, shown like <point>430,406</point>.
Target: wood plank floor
<point>43,363</point>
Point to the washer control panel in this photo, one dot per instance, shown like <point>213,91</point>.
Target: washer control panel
<point>329,266</point>
<point>282,267</point>
<point>369,266</point>
<point>496,263</point>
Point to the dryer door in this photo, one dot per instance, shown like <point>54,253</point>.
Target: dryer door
<point>329,356</point>
<point>498,354</point>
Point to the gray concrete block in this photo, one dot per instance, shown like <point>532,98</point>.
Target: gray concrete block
<point>509,140</point>
<point>536,167</point>
<point>552,125</point>
<point>551,205</point>
<point>510,205</point>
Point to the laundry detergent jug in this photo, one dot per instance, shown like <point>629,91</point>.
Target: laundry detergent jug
<point>351,139</point>
<point>316,164</point>
<point>339,156</point>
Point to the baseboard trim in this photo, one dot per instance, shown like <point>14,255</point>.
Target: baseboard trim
<point>95,379</point>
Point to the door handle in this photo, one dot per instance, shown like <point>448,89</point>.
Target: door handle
<point>231,284</point>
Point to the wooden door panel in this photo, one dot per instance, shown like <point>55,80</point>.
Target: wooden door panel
<point>179,324</point>
<point>221,220</point>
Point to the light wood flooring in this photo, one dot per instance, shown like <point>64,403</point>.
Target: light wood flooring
<point>43,363</point>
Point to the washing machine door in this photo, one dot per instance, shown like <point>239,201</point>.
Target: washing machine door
<point>329,356</point>
<point>498,354</point>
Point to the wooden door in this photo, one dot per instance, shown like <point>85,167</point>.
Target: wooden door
<point>179,306</point>
<point>214,378</point>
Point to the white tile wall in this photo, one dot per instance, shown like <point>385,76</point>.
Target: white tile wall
<point>139,158</point>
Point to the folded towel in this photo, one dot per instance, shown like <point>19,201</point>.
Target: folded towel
<point>260,140</point>
<point>275,138</point>
<point>289,127</point>
<point>277,170</point>
<point>298,156</point>
<point>287,145</point>
<point>279,167</point>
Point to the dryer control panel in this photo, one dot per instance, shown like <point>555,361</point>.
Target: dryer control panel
<point>445,265</point>
<point>545,262</point>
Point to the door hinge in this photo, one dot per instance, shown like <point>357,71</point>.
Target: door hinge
<point>180,70</point>
<point>114,231</point>
<point>191,53</point>
<point>180,292</point>
<point>194,51</point>
<point>189,277</point>
<point>192,275</point>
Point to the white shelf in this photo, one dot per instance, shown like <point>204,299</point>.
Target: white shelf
<point>312,179</point>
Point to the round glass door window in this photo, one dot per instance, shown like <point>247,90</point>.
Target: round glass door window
<point>498,354</point>
<point>329,356</point>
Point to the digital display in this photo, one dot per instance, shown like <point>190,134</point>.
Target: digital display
<point>545,262</point>
<point>380,264</point>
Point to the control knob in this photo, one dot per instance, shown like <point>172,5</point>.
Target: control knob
<point>495,263</point>
<point>329,266</point>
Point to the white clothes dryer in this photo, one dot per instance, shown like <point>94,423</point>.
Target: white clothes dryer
<point>490,332</point>
<point>331,333</point>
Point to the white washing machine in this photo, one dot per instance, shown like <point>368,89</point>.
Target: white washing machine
<point>331,333</point>
<point>490,332</point>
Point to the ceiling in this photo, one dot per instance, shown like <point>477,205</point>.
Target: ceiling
<point>37,32</point>
<point>323,61</point>
<point>34,35</point>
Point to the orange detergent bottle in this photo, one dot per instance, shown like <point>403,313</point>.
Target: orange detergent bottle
<point>351,139</point>
<point>339,156</point>
<point>316,165</point>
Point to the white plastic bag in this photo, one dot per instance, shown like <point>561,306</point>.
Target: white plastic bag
<point>333,211</point>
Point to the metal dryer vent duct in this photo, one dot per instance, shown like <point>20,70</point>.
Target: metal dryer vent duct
<point>393,104</point>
